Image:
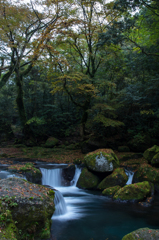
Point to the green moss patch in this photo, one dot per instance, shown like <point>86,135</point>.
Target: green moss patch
<point>109,192</point>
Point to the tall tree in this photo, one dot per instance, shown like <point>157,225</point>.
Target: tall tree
<point>24,30</point>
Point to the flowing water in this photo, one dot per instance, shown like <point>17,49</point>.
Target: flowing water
<point>86,215</point>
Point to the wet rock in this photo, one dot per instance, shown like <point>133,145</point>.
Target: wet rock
<point>101,160</point>
<point>133,192</point>
<point>118,177</point>
<point>143,233</point>
<point>146,173</point>
<point>68,172</point>
<point>31,206</point>
<point>87,180</point>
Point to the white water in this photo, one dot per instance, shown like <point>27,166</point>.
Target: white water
<point>67,203</point>
<point>130,175</point>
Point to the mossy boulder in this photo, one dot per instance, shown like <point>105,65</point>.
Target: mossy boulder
<point>109,192</point>
<point>146,173</point>
<point>101,160</point>
<point>31,206</point>
<point>151,152</point>
<point>118,177</point>
<point>143,234</point>
<point>155,160</point>
<point>87,180</point>
<point>51,142</point>
<point>134,192</point>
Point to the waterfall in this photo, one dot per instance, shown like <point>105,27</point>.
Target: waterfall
<point>130,175</point>
<point>76,176</point>
<point>52,177</point>
<point>60,205</point>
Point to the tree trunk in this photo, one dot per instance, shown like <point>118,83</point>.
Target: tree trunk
<point>84,119</point>
<point>28,133</point>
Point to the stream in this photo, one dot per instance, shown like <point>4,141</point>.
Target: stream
<point>86,215</point>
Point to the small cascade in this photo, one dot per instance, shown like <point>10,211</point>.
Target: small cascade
<point>76,176</point>
<point>52,177</point>
<point>130,175</point>
<point>60,205</point>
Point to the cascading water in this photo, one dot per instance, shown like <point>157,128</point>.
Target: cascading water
<point>130,175</point>
<point>52,177</point>
<point>76,176</point>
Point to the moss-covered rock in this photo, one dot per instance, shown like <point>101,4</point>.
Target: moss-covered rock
<point>143,234</point>
<point>118,177</point>
<point>87,180</point>
<point>151,152</point>
<point>51,142</point>
<point>31,206</point>
<point>155,159</point>
<point>146,173</point>
<point>32,174</point>
<point>133,192</point>
<point>101,160</point>
<point>109,192</point>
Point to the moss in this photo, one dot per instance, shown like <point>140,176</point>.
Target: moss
<point>45,232</point>
<point>110,191</point>
<point>87,180</point>
<point>118,177</point>
<point>132,192</point>
<point>142,234</point>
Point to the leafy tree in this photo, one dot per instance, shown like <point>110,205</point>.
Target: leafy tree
<point>24,31</point>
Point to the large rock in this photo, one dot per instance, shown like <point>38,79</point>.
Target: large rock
<point>31,206</point>
<point>134,192</point>
<point>69,172</point>
<point>143,233</point>
<point>101,160</point>
<point>146,173</point>
<point>51,142</point>
<point>31,173</point>
<point>87,180</point>
<point>151,152</point>
<point>155,160</point>
<point>118,177</point>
